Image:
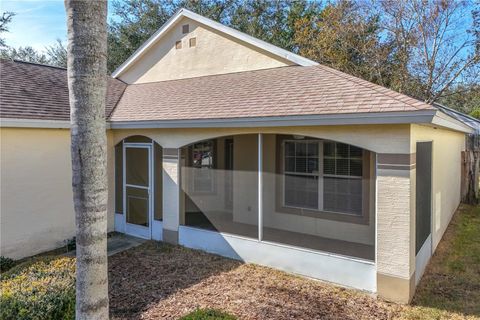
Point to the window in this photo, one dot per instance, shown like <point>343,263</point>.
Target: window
<point>342,178</point>
<point>202,157</point>
<point>323,176</point>
<point>192,42</point>
<point>301,174</point>
<point>178,45</point>
<point>185,28</point>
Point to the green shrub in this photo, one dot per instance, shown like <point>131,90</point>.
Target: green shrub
<point>6,263</point>
<point>208,314</point>
<point>42,288</point>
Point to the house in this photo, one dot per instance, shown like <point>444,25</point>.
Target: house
<point>221,142</point>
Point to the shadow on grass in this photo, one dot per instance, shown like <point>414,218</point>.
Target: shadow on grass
<point>153,271</point>
<point>451,282</point>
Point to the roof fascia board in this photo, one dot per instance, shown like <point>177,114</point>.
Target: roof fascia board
<point>36,123</point>
<point>443,120</point>
<point>295,58</point>
<point>310,120</point>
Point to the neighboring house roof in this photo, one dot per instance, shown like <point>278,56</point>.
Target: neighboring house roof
<point>286,91</point>
<point>472,122</point>
<point>39,92</point>
<point>274,50</point>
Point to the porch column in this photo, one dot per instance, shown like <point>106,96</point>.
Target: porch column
<point>171,194</point>
<point>396,226</point>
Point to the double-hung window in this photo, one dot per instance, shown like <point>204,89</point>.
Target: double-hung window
<point>342,178</point>
<point>323,176</point>
<point>202,155</point>
<point>301,174</point>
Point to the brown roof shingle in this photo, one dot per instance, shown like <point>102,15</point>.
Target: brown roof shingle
<point>32,91</point>
<point>285,91</point>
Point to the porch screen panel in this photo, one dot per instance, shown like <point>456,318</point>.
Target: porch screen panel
<point>136,166</point>
<point>137,206</point>
<point>158,182</point>
<point>220,185</point>
<point>342,178</point>
<point>316,194</point>
<point>119,178</point>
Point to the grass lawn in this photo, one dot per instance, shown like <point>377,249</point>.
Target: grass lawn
<point>160,281</point>
<point>450,287</point>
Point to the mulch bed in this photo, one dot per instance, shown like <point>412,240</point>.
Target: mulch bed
<point>159,281</point>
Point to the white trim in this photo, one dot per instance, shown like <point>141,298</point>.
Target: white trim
<point>34,123</point>
<point>260,186</point>
<point>421,116</point>
<point>276,51</point>
<point>132,229</point>
<point>350,272</point>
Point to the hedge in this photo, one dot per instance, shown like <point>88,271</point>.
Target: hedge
<point>43,288</point>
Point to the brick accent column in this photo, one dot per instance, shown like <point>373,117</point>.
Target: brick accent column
<point>396,226</point>
<point>171,194</point>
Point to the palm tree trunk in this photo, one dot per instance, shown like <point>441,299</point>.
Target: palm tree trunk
<point>87,69</point>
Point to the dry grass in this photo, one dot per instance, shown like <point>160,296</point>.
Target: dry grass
<point>158,281</point>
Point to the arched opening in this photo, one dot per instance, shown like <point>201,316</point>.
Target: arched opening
<point>315,194</point>
<point>138,186</point>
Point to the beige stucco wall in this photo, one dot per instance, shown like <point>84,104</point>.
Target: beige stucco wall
<point>36,210</point>
<point>214,53</point>
<point>447,146</point>
<point>390,138</point>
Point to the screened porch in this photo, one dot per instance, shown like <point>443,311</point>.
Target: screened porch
<point>291,190</point>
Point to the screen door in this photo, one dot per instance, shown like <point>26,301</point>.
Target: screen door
<point>137,189</point>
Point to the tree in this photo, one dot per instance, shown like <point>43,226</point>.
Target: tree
<point>87,67</point>
<point>345,36</point>
<point>5,19</point>
<point>57,54</point>
<point>27,54</point>
<point>435,47</point>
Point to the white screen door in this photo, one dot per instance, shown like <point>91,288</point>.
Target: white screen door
<point>137,189</point>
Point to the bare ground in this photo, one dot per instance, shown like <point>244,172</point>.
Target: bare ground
<point>159,281</point>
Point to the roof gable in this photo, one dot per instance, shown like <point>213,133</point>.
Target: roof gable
<point>218,50</point>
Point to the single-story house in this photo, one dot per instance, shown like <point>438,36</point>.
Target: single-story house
<point>222,142</point>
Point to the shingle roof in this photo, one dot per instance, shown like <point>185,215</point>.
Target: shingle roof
<point>286,91</point>
<point>32,91</point>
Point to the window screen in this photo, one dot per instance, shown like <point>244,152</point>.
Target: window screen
<point>119,178</point>
<point>342,179</point>
<point>157,171</point>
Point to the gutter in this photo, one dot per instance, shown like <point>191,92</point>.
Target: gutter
<point>424,116</point>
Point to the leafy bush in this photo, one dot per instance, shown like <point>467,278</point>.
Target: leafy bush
<point>6,263</point>
<point>208,314</point>
<point>42,288</point>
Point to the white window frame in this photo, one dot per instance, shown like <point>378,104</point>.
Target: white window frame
<point>343,176</point>
<point>210,169</point>
<point>320,175</point>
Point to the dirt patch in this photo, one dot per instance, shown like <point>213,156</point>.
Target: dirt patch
<point>158,281</point>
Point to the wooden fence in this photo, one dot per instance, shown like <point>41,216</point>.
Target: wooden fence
<point>471,170</point>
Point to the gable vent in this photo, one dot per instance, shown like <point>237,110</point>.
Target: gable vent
<point>185,28</point>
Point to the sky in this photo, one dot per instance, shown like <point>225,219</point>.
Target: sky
<point>37,23</point>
